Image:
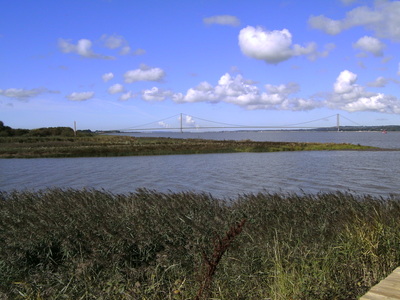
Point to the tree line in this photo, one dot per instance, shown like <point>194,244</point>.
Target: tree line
<point>41,132</point>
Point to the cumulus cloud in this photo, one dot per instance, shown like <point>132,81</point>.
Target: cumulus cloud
<point>348,95</point>
<point>275,46</point>
<point>379,82</point>
<point>235,89</point>
<point>163,124</point>
<point>125,50</point>
<point>144,73</point>
<point>327,49</point>
<point>116,88</point>
<point>204,92</point>
<point>155,94</point>
<point>345,83</point>
<point>348,2</point>
<point>189,121</point>
<point>139,51</point>
<point>271,46</point>
<point>240,91</point>
<point>370,44</point>
<point>107,77</point>
<point>82,48</point>
<point>115,41</point>
<point>222,20</point>
<point>24,94</point>
<point>382,19</point>
<point>126,96</point>
<point>80,96</point>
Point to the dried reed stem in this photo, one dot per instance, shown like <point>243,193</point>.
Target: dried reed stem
<point>211,263</point>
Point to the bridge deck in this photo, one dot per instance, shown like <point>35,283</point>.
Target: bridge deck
<point>388,288</point>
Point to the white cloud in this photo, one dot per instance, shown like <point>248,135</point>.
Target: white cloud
<point>382,19</point>
<point>155,94</point>
<point>271,46</point>
<point>125,50</point>
<point>107,77</point>
<point>370,44</point>
<point>163,124</point>
<point>283,89</point>
<point>80,96</point>
<point>203,92</point>
<point>325,24</point>
<point>327,49</point>
<point>240,91</point>
<point>127,96</point>
<point>24,94</point>
<point>345,83</point>
<point>348,2</point>
<point>379,82</point>
<point>275,46</point>
<point>144,74</point>
<point>113,41</point>
<point>349,96</point>
<point>118,42</point>
<point>386,59</point>
<point>222,20</point>
<point>139,51</point>
<point>116,88</point>
<point>82,48</point>
<point>188,121</point>
<point>235,89</point>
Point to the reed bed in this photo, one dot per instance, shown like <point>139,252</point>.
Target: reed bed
<point>92,244</point>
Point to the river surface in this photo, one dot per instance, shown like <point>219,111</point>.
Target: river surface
<point>226,175</point>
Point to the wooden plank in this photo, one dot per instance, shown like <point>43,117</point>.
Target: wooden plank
<point>372,296</point>
<point>387,289</point>
<point>390,285</point>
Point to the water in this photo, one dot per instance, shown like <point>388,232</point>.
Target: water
<point>226,175</point>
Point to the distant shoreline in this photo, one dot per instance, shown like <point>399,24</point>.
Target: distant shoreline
<point>119,145</point>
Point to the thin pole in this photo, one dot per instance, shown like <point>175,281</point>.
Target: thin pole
<point>74,128</point>
<point>181,123</point>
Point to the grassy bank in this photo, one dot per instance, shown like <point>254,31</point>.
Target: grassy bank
<point>88,244</point>
<point>102,145</point>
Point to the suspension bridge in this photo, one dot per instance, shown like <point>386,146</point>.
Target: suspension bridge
<point>183,122</point>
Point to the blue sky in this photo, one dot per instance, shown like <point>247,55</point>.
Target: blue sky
<point>115,64</point>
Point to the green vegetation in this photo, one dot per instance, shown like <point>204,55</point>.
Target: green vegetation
<point>6,131</point>
<point>89,244</point>
<point>62,142</point>
<point>108,145</point>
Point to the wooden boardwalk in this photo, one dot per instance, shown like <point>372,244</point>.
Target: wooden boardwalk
<point>388,288</point>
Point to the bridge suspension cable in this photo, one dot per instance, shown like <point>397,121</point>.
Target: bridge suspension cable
<point>307,122</point>
<point>146,124</point>
<point>358,124</point>
<point>160,125</point>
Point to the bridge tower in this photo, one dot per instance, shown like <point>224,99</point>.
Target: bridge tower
<point>338,122</point>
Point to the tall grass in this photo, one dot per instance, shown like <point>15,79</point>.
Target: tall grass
<point>91,244</point>
<point>102,145</point>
